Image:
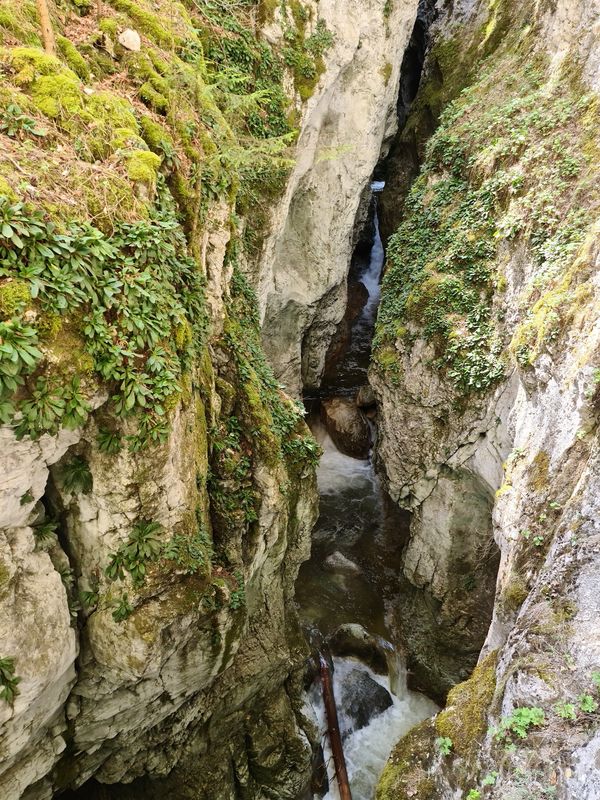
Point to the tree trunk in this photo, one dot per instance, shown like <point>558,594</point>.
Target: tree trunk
<point>46,25</point>
<point>333,729</point>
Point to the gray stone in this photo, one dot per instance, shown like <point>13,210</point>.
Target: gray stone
<point>347,426</point>
<point>365,397</point>
<point>361,699</point>
<point>337,562</point>
<point>353,640</point>
<point>130,40</point>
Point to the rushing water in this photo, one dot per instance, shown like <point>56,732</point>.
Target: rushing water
<point>367,749</point>
<point>352,574</point>
<point>351,369</point>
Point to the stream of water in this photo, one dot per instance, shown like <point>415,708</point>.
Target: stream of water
<point>352,575</point>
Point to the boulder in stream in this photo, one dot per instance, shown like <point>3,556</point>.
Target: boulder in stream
<point>361,699</point>
<point>347,426</point>
<point>337,562</point>
<point>365,397</point>
<point>353,640</point>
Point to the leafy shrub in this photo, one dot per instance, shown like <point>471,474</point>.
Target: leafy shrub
<point>9,682</point>
<point>76,476</point>
<point>136,288</point>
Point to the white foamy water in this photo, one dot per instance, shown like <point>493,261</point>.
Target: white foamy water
<point>339,473</point>
<point>368,749</point>
<point>372,276</point>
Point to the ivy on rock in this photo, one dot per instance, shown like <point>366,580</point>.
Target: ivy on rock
<point>138,299</point>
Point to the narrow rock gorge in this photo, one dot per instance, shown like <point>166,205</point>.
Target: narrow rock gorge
<point>299,364</point>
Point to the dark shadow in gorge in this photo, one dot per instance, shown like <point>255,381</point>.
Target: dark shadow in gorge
<point>416,122</point>
<point>441,627</point>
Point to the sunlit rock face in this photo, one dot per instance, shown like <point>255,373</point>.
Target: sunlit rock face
<point>187,682</point>
<point>302,286</point>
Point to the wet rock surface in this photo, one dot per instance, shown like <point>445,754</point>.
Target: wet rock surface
<point>354,640</point>
<point>347,426</point>
<point>365,397</point>
<point>362,699</point>
<point>337,562</point>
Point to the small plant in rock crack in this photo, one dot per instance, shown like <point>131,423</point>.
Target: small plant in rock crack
<point>587,704</point>
<point>109,442</point>
<point>142,545</point>
<point>76,476</point>
<point>26,498</point>
<point>51,406</point>
<point>18,354</point>
<point>237,598</point>
<point>9,682</point>
<point>44,534</point>
<point>123,609</point>
<point>490,779</point>
<point>566,710</point>
<point>537,540</point>
<point>444,745</point>
<point>192,553</point>
<point>519,723</point>
<point>69,581</point>
<point>89,598</point>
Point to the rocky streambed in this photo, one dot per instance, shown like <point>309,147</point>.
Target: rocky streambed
<point>348,590</point>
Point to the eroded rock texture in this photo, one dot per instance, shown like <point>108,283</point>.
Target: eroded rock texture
<point>305,263</point>
<point>488,404</point>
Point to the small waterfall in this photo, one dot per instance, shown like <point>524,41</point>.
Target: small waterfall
<point>372,276</point>
<point>352,574</point>
<point>367,748</point>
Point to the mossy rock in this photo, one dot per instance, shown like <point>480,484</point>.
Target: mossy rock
<point>142,167</point>
<point>14,296</point>
<point>464,720</point>
<point>73,58</point>
<point>407,775</point>
<point>514,594</point>
<point>538,475</point>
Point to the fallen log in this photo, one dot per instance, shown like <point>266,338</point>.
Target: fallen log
<point>333,730</point>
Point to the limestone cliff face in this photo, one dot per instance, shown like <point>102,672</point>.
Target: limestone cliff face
<point>157,488</point>
<point>177,678</point>
<point>486,373</point>
<point>352,112</point>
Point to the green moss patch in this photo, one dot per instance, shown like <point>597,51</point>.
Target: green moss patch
<point>407,774</point>
<point>464,720</point>
<point>512,160</point>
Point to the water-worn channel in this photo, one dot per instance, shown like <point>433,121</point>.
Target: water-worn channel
<point>352,575</point>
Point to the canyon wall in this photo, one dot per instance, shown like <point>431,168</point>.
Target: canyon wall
<point>304,267</point>
<point>157,487</point>
<point>486,370</point>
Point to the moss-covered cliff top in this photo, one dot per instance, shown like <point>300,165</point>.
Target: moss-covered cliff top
<point>513,162</point>
<point>114,150</point>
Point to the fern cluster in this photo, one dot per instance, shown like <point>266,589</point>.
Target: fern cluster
<point>141,302</point>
